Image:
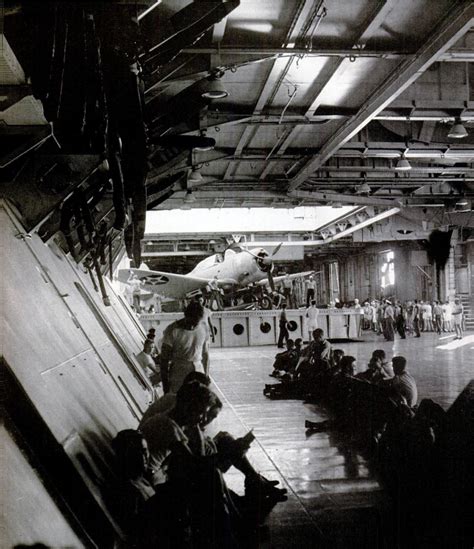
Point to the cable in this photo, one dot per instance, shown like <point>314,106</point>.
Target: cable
<point>290,99</point>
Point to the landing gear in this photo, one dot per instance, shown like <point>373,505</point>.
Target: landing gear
<point>265,303</point>
<point>215,301</point>
<point>253,297</point>
<point>259,297</point>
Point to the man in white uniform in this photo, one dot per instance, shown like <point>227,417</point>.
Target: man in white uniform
<point>287,285</point>
<point>135,285</point>
<point>310,284</point>
<point>312,322</point>
<point>428,317</point>
<point>185,348</point>
<point>458,312</point>
<point>447,316</point>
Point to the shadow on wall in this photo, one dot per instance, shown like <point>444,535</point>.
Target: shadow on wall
<point>34,546</point>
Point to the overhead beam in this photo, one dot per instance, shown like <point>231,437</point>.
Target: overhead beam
<point>456,24</point>
<point>237,56</point>
<point>385,169</point>
<point>276,71</point>
<point>280,64</point>
<point>357,149</point>
<point>285,67</point>
<point>418,111</point>
<point>339,65</point>
<point>245,138</point>
<point>315,197</point>
<point>454,54</point>
<point>366,223</point>
<point>321,196</point>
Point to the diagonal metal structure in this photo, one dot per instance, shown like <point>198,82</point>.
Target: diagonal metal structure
<point>457,23</point>
<point>320,101</point>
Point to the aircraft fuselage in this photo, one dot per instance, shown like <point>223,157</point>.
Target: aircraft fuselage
<point>241,267</point>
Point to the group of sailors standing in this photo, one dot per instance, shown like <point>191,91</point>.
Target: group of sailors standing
<point>387,318</point>
<point>413,317</point>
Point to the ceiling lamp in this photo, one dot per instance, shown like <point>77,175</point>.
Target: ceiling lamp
<point>189,199</point>
<point>194,176</point>
<point>457,131</point>
<point>206,147</point>
<point>364,188</point>
<point>403,165</point>
<point>213,88</point>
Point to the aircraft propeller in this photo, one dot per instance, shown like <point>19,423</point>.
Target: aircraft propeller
<point>265,262</point>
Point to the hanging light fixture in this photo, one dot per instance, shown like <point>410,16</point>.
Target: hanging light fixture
<point>189,200</point>
<point>213,88</point>
<point>457,131</point>
<point>403,165</point>
<point>194,176</point>
<point>189,197</point>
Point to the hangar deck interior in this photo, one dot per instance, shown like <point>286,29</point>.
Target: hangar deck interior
<point>335,495</point>
<point>121,119</point>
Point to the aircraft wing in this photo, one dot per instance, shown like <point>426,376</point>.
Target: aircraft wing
<point>166,284</point>
<point>278,279</point>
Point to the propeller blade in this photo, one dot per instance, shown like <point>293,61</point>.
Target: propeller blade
<point>270,280</point>
<point>277,249</point>
<point>251,253</point>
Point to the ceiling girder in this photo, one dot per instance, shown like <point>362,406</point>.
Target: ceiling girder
<point>417,111</point>
<point>459,55</point>
<point>339,65</point>
<point>278,68</point>
<point>457,22</point>
<point>357,149</point>
<point>280,65</point>
<point>316,197</point>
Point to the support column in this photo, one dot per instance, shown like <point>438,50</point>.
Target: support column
<point>470,271</point>
<point>448,283</point>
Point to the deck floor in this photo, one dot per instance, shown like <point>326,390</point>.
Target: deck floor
<point>334,500</point>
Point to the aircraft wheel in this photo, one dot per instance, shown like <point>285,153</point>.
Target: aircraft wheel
<point>265,303</point>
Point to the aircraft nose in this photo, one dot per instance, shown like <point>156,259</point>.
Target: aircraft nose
<point>266,260</point>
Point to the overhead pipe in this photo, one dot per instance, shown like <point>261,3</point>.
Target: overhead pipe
<point>297,52</point>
